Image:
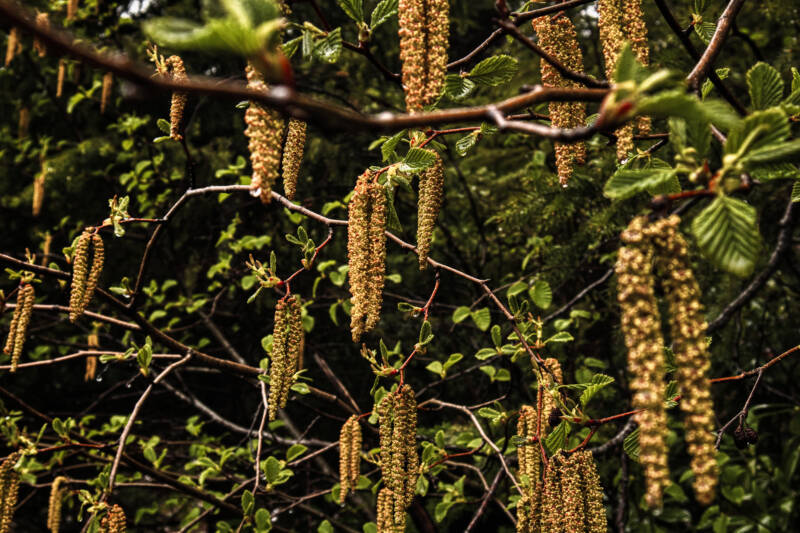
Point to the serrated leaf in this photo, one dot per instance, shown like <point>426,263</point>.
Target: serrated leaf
<point>765,86</point>
<point>705,30</point>
<point>557,438</point>
<point>494,71</point>
<point>418,159</point>
<point>631,445</point>
<point>628,68</point>
<point>482,318</point>
<point>727,233</point>
<point>330,47</point>
<point>760,129</point>
<point>383,12</point>
<point>671,103</point>
<point>466,142</point>
<point>796,191</point>
<point>389,146</point>
<point>457,87</point>
<point>541,294</point>
<point>353,8</point>
<point>774,153</point>
<point>392,220</point>
<point>628,182</point>
<point>598,382</point>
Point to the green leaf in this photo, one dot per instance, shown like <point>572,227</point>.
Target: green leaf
<point>458,87</point>
<point>760,129</point>
<point>727,233</point>
<point>435,367</point>
<point>557,438</point>
<point>482,318</point>
<point>466,142</point>
<point>796,191</point>
<point>353,8</point>
<point>705,30</point>
<point>631,445</point>
<point>485,353</point>
<point>628,68</point>
<point>561,336</point>
<point>325,527</point>
<point>774,153</point>
<point>385,10</point>
<point>628,182</point>
<point>488,412</point>
<point>263,520</point>
<point>418,159</point>
<point>247,502</point>
<point>671,103</point>
<point>330,47</point>
<point>388,147</point>
<point>765,86</point>
<point>541,294</point>
<point>392,220</point>
<point>497,338</point>
<point>295,451</point>
<point>461,313</point>
<point>272,468</point>
<point>598,382</point>
<point>425,335</point>
<point>453,359</point>
<point>494,71</point>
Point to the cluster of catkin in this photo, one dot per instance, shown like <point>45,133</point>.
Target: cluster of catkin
<point>113,521</point>
<point>424,33</point>
<point>264,132</point>
<point>287,343</point>
<point>552,377</point>
<point>557,37</point>
<point>14,46</point>
<point>620,21</point>
<point>19,323</point>
<point>84,277</point>
<point>658,248</point>
<point>9,489</point>
<point>54,508</point>
<point>366,253</point>
<point>569,498</point>
<point>349,456</point>
<point>431,187</point>
<point>399,461</point>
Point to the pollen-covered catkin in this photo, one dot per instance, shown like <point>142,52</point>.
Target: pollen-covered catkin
<point>84,277</point>
<point>42,21</point>
<point>385,513</point>
<point>9,490</point>
<point>265,133</point>
<point>688,335</point>
<point>62,70</point>
<point>113,521</point>
<point>105,95</point>
<point>286,341</point>
<point>13,47</point>
<point>552,504</point>
<point>349,456</point>
<point>424,29</point>
<point>431,186</point>
<point>18,329</point>
<point>612,36</point>
<point>91,361</point>
<point>529,461</point>
<point>54,506</point>
<point>558,38</point>
<point>293,155</point>
<point>549,386</point>
<point>174,64</point>
<point>635,30</point>
<point>98,258</point>
<point>377,267</point>
<point>641,326</point>
<point>72,9</point>
<point>572,495</point>
<point>24,122</point>
<point>38,186</point>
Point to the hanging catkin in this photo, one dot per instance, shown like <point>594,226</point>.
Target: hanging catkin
<point>38,185</point>
<point>635,30</point>
<point>688,333</point>
<point>19,323</point>
<point>24,122</point>
<point>293,155</point>
<point>349,456</point>
<point>265,132</point>
<point>529,460</point>
<point>424,33</point>
<point>177,72</point>
<point>54,507</point>
<point>113,521</point>
<point>9,490</point>
<point>549,386</point>
<point>91,361</point>
<point>399,461</point>
<point>557,37</point>
<point>62,70</point>
<point>431,186</point>
<point>286,346</point>
<point>14,46</point>
<point>43,22</point>
<point>105,95</point>
<point>641,326</point>
<point>552,504</point>
<point>611,28</point>
<point>366,252</point>
<point>72,9</point>
<point>84,277</point>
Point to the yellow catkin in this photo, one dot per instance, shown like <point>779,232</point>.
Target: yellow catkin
<point>641,326</point>
<point>80,271</point>
<point>42,21</point>
<point>72,9</point>
<point>9,490</point>
<point>431,186</point>
<point>62,70</point>
<point>13,47</point>
<point>612,36</point>
<point>178,73</point>
<point>594,512</point>
<point>549,386</point>
<point>424,32</point>
<point>558,38</point>
<point>46,245</point>
<point>113,521</point>
<point>292,156</point>
<point>264,132</point>
<point>24,122</point>
<point>286,343</point>
<point>38,186</point>
<point>572,495</point>
<point>105,95</point>
<point>688,333</point>
<point>529,461</point>
<point>552,517</point>
<point>349,456</point>
<point>91,361</point>
<point>636,33</point>
<point>20,320</point>
<point>54,507</point>
<point>385,512</point>
<point>377,267</point>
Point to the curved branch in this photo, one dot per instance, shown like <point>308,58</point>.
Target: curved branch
<point>706,62</point>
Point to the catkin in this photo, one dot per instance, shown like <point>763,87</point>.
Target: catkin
<point>174,64</point>
<point>62,70</point>
<point>366,251</point>
<point>18,329</point>
<point>105,95</point>
<point>431,186</point>
<point>636,32</point>
<point>349,456</point>
<point>9,490</point>
<point>688,333</point>
<point>293,155</point>
<point>399,461</point>
<point>91,361</point>
<point>24,122</point>
<point>286,345</point>
<point>558,38</point>
<point>38,186</point>
<point>264,132</point>
<point>385,513</point>
<point>552,505</point>
<point>54,507</point>
<point>43,21</point>
<point>529,461</point>
<point>84,278</point>
<point>612,36</point>
<point>113,521</point>
<point>72,9</point>
<point>594,512</point>
<point>14,46</point>
<point>549,386</point>
<point>641,326</point>
<point>424,29</point>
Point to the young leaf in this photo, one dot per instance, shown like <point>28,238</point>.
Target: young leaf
<point>765,86</point>
<point>494,71</point>
<point>389,145</point>
<point>598,382</point>
<point>561,336</point>
<point>353,8</point>
<point>460,314</point>
<point>330,47</point>
<point>727,233</point>
<point>631,445</point>
<point>457,87</point>
<point>382,12</point>
<point>627,182</point>
<point>557,438</point>
<point>760,129</point>
<point>541,294</point>
<point>418,159</point>
<point>482,318</point>
<point>796,191</point>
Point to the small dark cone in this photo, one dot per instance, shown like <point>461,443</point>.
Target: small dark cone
<point>740,438</point>
<point>750,435</point>
<point>554,418</point>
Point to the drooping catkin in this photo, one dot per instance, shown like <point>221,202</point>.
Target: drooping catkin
<point>84,277</point>
<point>9,490</point>
<point>286,343</point>
<point>105,95</point>
<point>385,512</point>
<point>13,47</point>
<point>688,335</point>
<point>113,521</point>
<point>18,329</point>
<point>293,155</point>
<point>552,504</point>
<point>264,132</point>
<point>38,186</point>
<point>424,34</point>
<point>612,36</point>
<point>42,21</point>
<point>91,361</point>
<point>72,9</point>
<point>349,456</point>
<point>572,495</point>
<point>54,507</point>
<point>431,186</point>
<point>399,461</point>
<point>529,461</point>
<point>558,38</point>
<point>366,252</point>
<point>177,71</point>
<point>594,512</point>
<point>641,326</point>
<point>24,122</point>
<point>549,386</point>
<point>635,30</point>
<point>62,71</point>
